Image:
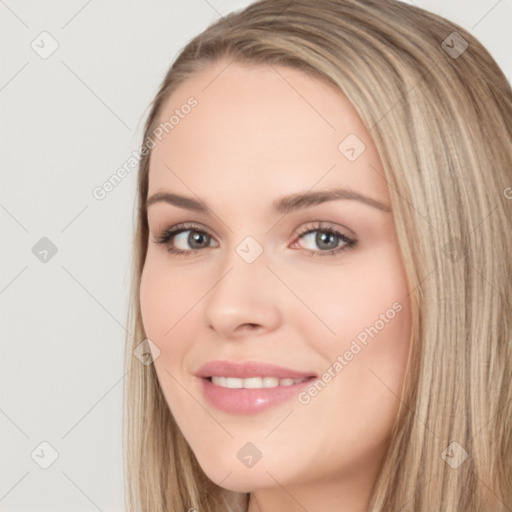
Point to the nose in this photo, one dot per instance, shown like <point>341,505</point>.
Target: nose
<point>244,300</point>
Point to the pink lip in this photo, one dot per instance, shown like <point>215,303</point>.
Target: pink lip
<point>249,401</point>
<point>247,369</point>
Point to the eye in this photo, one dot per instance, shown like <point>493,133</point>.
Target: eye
<point>327,238</point>
<point>185,239</point>
<point>319,239</point>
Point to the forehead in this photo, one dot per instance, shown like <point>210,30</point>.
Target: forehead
<point>265,129</point>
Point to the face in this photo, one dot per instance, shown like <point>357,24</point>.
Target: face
<point>292,264</point>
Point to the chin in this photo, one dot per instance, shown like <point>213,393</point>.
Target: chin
<point>237,479</point>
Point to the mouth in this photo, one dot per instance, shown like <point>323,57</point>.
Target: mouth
<point>255,382</point>
<point>250,387</point>
<point>250,371</point>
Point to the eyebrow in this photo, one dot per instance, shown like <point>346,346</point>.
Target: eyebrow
<point>283,205</point>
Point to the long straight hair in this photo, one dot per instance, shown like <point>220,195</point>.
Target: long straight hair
<point>439,110</point>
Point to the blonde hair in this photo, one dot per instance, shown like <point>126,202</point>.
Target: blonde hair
<point>441,120</point>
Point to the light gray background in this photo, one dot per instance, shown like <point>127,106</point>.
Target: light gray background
<point>69,121</point>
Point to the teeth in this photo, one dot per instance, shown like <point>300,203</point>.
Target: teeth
<point>253,382</point>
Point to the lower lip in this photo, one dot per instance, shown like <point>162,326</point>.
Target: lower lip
<point>249,401</point>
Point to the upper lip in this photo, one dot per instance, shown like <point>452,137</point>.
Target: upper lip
<point>248,369</point>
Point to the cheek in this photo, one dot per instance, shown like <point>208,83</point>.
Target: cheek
<point>362,328</point>
<point>351,301</point>
<point>164,299</point>
<point>152,298</point>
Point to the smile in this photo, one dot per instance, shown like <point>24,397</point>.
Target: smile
<point>253,382</point>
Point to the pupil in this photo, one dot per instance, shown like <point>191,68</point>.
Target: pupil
<point>323,238</point>
<point>196,238</point>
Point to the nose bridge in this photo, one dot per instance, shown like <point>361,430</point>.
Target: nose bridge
<point>244,264</point>
<point>243,294</point>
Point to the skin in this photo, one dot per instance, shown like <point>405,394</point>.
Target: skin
<point>257,134</point>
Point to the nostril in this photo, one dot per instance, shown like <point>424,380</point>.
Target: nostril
<point>249,327</point>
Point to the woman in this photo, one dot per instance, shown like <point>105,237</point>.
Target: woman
<point>322,273</point>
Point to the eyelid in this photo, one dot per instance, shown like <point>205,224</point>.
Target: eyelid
<point>186,226</point>
<point>324,226</point>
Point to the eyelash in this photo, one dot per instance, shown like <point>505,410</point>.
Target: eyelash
<point>166,236</point>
